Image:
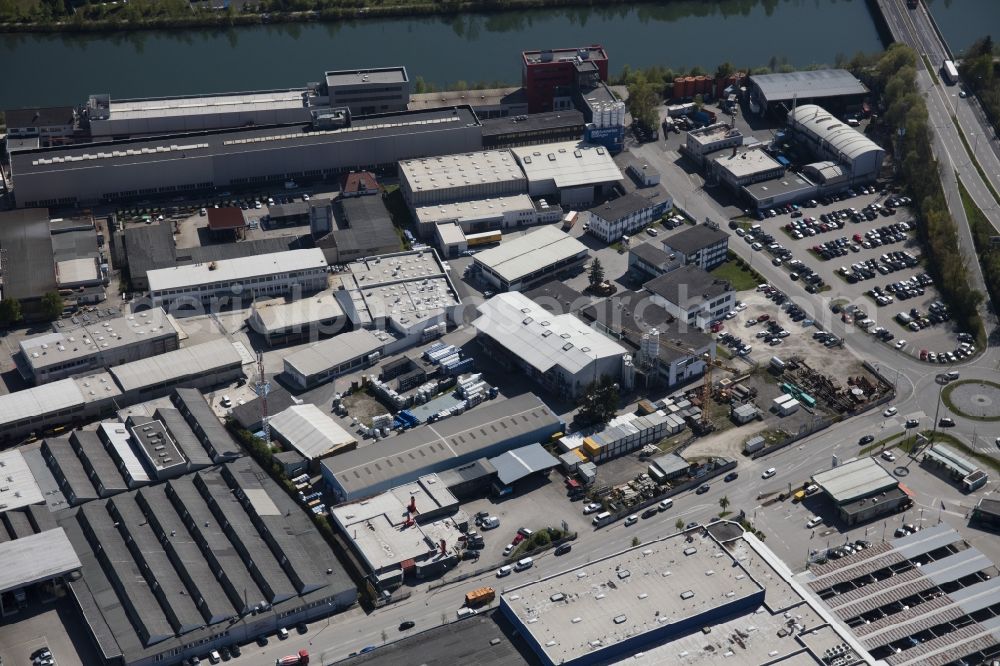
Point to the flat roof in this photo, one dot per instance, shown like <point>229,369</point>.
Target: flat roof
<point>810,84</point>
<point>533,122</point>
<point>649,253</point>
<point>95,337</point>
<point>429,174</point>
<point>541,339</point>
<point>789,183</point>
<point>336,351</point>
<point>516,464</point>
<point>568,164</point>
<point>301,312</point>
<point>714,132</point>
<point>160,450</point>
<point>520,257</point>
<point>642,590</point>
<point>72,272</point>
<point>450,233</point>
<point>40,400</point>
<point>747,162</point>
<point>950,458</point>
<point>36,558</point>
<point>855,479</point>
<point>18,485</point>
<point>476,98</point>
<point>39,116</point>
<point>474,211</point>
<point>227,217</point>
<point>592,52</point>
<point>311,432</point>
<point>194,361</point>
<point>456,436</point>
<point>692,239</point>
<point>28,269</point>
<point>623,206</point>
<point>370,76</point>
<point>242,269</point>
<point>161,107</point>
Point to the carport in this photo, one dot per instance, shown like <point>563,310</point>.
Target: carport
<point>35,559</point>
<point>521,463</point>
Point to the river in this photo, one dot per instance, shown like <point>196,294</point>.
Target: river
<point>53,69</point>
<point>964,21</point>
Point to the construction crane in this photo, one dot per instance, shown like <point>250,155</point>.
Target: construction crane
<point>263,387</point>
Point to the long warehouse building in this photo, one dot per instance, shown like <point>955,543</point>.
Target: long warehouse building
<point>200,161</point>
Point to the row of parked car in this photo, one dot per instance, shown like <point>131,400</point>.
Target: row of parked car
<point>869,268</point>
<point>903,290</point>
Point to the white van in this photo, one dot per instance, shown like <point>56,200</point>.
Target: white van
<point>465,612</point>
<point>602,518</point>
<point>666,504</point>
<point>526,563</point>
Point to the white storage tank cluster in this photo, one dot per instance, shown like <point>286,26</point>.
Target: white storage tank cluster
<point>649,345</point>
<point>609,114</point>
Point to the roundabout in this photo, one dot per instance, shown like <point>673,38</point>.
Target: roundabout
<point>977,399</point>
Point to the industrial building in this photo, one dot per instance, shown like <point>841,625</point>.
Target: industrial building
<point>664,352</point>
<point>551,76</point>
<point>28,270</point>
<point>302,319</point>
<point>740,168</point>
<point>692,296</point>
<point>199,562</point>
<point>368,91</point>
<point>832,139</point>
<point>560,352</point>
<point>703,141</point>
<point>527,130</point>
<point>780,92</point>
<point>491,214</point>
<point>925,599</point>
<point>476,175</point>
<point>535,257</point>
<point>646,261</point>
<point>198,366</point>
<point>703,245</point>
<point>352,227</point>
<point>310,432</point>
<point>47,126</point>
<point>199,161</point>
<point>19,487</point>
<point>43,557</point>
<point>58,404</point>
<point>339,355</point>
<point>522,463</point>
<point>488,103</point>
<point>624,216</point>
<point>692,594</point>
<point>861,490</point>
<point>789,188</point>
<point>409,531</point>
<point>964,472</point>
<point>572,173</point>
<point>242,279</point>
<point>488,430</point>
<point>100,344</point>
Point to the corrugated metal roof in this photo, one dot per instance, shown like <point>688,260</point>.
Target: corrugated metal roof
<point>809,84</point>
<point>310,432</point>
<point>335,351</point>
<point>35,558</point>
<point>847,141</point>
<point>957,566</point>
<point>38,400</point>
<point>926,540</point>
<point>516,258</point>
<point>519,463</point>
<point>241,269</point>
<point>203,359</point>
<point>854,480</point>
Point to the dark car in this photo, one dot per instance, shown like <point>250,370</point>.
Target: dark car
<point>702,489</point>
<point>563,549</point>
<point>690,525</point>
<point>301,627</point>
<point>649,513</point>
<point>732,476</point>
<point>366,649</point>
<point>262,641</point>
<point>867,439</point>
<point>406,624</point>
<point>235,650</point>
<point>946,422</point>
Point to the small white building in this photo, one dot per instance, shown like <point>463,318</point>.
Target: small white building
<point>560,352</point>
<point>307,430</point>
<point>573,172</point>
<point>693,296</point>
<point>281,323</point>
<point>242,279</point>
<point>702,245</point>
<point>521,262</point>
<point>326,360</point>
<point>450,239</point>
<point>623,216</point>
<point>493,214</point>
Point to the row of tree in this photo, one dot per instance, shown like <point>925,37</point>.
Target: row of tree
<point>895,76</point>
<point>980,73</point>
<point>50,308</point>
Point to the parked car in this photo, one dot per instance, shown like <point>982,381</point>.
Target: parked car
<point>867,439</point>
<point>888,455</point>
<point>406,624</point>
<point>946,422</point>
<point>813,522</point>
<point>591,508</point>
<point>504,571</point>
<point>282,633</point>
<point>732,476</point>
<point>631,520</point>
<point>563,549</point>
<point>702,489</point>
<point>768,473</point>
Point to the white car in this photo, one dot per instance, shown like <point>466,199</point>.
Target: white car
<point>888,455</point>
<point>740,307</point>
<point>509,549</point>
<point>631,520</point>
<point>813,522</point>
<point>504,571</point>
<point>900,344</point>
<point>889,411</point>
<point>226,402</point>
<point>591,508</point>
<point>489,523</point>
<point>282,633</point>
<point>768,473</point>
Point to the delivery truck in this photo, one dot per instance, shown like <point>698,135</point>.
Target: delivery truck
<point>480,596</point>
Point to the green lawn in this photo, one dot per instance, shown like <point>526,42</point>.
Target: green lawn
<point>738,275</point>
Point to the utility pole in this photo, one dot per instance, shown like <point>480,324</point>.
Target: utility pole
<point>942,381</point>
<point>263,387</point>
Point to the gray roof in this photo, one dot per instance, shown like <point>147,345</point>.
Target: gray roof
<point>693,239</point>
<point>205,424</point>
<point>91,450</point>
<point>185,438</point>
<point>690,281</point>
<point>364,226</point>
<point>28,268</point>
<point>39,116</point>
<point>71,474</point>
<point>148,247</point>
<point>526,255</point>
<point>671,464</point>
<point>18,487</point>
<point>371,76</point>
<point>333,352</point>
<point>248,414</point>
<point>832,132</point>
<point>74,244</point>
<point>622,207</point>
<point>808,84</point>
<point>294,209</point>
<point>854,480</point>
<point>649,253</point>
<point>223,251</point>
<point>533,122</point>
<point>454,437</point>
<point>35,558</point>
<point>177,365</point>
<point>557,297</point>
<point>516,464</point>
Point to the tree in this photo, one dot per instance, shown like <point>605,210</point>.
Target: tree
<point>596,273</point>
<point>644,100</point>
<point>52,305</point>
<point>724,503</point>
<point>10,311</point>
<point>725,70</point>
<point>635,541</point>
<point>679,524</point>
<point>599,403</point>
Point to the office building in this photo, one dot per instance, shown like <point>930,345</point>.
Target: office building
<point>326,360</point>
<point>703,141</point>
<point>302,319</point>
<point>739,168</point>
<point>551,76</point>
<point>703,245</point>
<point>832,139</point>
<point>624,216</point>
<point>789,188</point>
<point>239,280</point>
<point>484,431</point>
<point>368,91</point>
<point>573,173</point>
<point>432,180</point>
<point>692,296</point>
<point>535,257</point>
<point>560,352</point>
<point>647,261</point>
<point>99,344</point>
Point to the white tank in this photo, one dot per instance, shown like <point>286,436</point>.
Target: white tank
<point>649,346</point>
<point>628,374</point>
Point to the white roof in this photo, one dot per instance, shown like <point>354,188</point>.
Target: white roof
<point>302,312</point>
<point>335,351</point>
<point>855,479</point>
<point>309,431</point>
<point>447,171</point>
<point>39,400</point>
<point>450,233</point>
<point>568,163</point>
<point>518,257</point>
<point>747,162</point>
<point>474,211</point>
<point>542,339</point>
<point>819,122</point>
<point>196,360</point>
<point>241,269</point>
<point>76,271</point>
<point>36,558</point>
<point>117,434</point>
<point>17,483</point>
<point>128,109</point>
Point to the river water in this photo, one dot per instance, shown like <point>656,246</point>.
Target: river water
<point>964,21</point>
<point>65,69</point>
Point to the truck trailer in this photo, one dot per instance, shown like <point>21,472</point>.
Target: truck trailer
<point>479,596</point>
<point>300,659</point>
